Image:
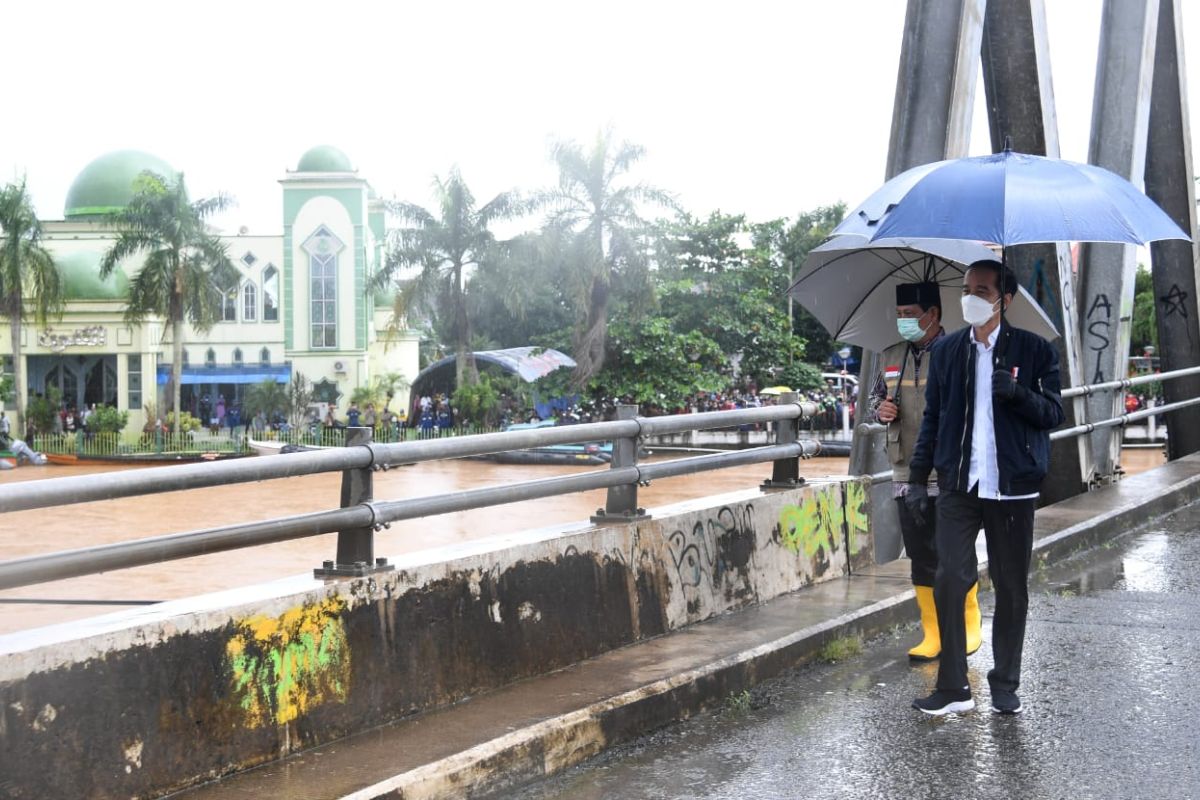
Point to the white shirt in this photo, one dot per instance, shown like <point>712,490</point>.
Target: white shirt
<point>984,469</point>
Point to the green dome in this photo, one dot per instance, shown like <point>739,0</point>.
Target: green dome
<point>324,158</point>
<point>80,273</point>
<point>106,185</point>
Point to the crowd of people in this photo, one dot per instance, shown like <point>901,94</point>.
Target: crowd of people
<point>833,403</point>
<point>434,415</point>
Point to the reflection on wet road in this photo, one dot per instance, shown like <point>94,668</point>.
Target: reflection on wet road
<point>46,530</point>
<point>1108,685</point>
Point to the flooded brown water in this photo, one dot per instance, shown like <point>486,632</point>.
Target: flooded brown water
<point>27,533</point>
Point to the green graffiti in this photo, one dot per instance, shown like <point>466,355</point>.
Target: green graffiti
<point>814,525</point>
<point>858,516</point>
<point>282,666</point>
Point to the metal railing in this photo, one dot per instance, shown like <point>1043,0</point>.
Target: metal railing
<point>1132,416</point>
<point>135,446</point>
<point>145,445</point>
<point>360,515</point>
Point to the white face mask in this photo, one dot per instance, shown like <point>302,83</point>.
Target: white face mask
<point>976,311</point>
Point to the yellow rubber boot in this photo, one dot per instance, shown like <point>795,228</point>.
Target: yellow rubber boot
<point>974,620</point>
<point>931,646</point>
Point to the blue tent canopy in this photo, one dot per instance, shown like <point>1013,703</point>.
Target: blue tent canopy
<point>228,373</point>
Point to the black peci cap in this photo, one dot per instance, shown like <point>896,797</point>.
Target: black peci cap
<point>923,294</point>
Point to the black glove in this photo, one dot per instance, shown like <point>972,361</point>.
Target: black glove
<point>916,500</point>
<point>1005,386</point>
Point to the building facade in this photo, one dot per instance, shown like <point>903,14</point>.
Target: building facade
<point>302,302</point>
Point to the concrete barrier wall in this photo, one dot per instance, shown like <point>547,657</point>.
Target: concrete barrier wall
<point>141,702</point>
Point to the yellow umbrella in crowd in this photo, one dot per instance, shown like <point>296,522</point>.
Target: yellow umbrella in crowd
<point>775,390</point>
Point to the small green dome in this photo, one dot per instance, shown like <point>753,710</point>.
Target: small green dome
<point>80,273</point>
<point>106,185</point>
<point>324,158</point>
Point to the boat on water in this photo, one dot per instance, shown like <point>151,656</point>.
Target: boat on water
<point>583,455</point>
<point>272,447</point>
<point>138,458</point>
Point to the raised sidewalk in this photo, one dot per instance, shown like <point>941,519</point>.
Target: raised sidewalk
<point>544,724</point>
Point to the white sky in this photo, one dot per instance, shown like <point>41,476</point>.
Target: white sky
<point>766,108</point>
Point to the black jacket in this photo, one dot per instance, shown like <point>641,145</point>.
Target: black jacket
<point>1022,425</point>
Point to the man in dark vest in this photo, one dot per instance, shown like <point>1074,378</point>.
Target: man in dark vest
<point>991,400</point>
<point>899,402</point>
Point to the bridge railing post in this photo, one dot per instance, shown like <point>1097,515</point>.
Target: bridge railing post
<point>785,472</point>
<point>621,504</point>
<point>356,546</point>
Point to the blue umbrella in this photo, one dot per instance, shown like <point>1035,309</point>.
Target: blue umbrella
<point>1011,198</point>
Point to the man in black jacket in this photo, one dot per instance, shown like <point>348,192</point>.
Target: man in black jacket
<point>991,399</point>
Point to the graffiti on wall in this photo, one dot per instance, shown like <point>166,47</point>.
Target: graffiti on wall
<point>1099,331</point>
<point>1174,306</point>
<point>280,667</point>
<point>716,547</point>
<point>814,527</point>
<point>858,515</point>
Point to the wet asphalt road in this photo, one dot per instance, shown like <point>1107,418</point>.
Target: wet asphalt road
<point>1110,687</point>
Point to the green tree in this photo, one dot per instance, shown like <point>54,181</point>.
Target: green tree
<point>653,363</point>
<point>267,396</point>
<point>28,276</point>
<point>299,395</point>
<point>43,410</point>
<point>366,393</point>
<point>388,384</point>
<point>794,242</point>
<point>1144,330</point>
<point>523,296</point>
<point>107,419</point>
<point>734,295</point>
<point>444,245</point>
<point>478,403</point>
<point>183,264</point>
<point>594,201</point>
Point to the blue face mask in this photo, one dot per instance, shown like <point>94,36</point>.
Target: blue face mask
<point>910,329</point>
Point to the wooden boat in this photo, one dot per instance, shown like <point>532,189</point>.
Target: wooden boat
<point>588,454</point>
<point>271,447</point>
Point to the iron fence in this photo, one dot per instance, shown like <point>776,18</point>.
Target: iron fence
<point>1132,416</point>
<point>361,515</point>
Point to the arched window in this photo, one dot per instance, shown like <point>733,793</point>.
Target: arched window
<point>226,297</point>
<point>249,302</point>
<point>210,358</point>
<point>270,294</point>
<point>323,297</point>
<point>322,248</point>
<point>184,359</point>
<point>264,357</point>
<point>237,356</point>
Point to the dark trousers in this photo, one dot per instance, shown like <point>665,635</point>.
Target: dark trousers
<point>1008,528</point>
<point>919,542</point>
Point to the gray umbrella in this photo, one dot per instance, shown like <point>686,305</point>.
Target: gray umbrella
<point>849,285</point>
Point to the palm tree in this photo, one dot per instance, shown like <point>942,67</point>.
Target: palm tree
<point>388,383</point>
<point>591,202</point>
<point>27,274</point>
<point>183,262</point>
<point>267,396</point>
<point>443,244</point>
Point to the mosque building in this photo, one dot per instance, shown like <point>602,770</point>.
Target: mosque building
<point>301,303</point>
